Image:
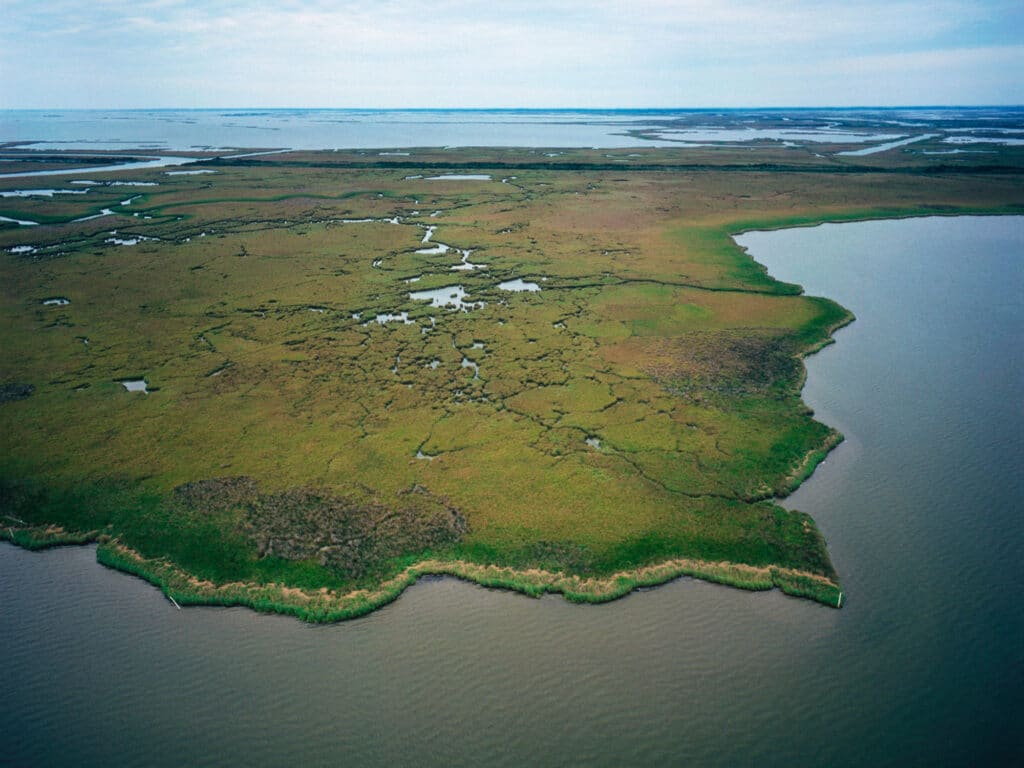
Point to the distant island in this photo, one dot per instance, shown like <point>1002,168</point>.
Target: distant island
<point>300,380</point>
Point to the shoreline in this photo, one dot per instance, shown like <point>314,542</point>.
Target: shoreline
<point>324,605</point>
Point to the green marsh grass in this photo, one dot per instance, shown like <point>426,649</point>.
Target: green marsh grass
<point>653,332</point>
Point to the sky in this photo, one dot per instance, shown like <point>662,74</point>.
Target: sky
<point>512,53</point>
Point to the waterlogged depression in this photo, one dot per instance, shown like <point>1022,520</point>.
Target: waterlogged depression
<point>452,296</point>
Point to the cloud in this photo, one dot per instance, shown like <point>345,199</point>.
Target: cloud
<point>466,52</point>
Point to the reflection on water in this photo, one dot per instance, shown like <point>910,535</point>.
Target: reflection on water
<point>922,666</point>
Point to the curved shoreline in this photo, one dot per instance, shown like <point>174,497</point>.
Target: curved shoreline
<point>326,605</point>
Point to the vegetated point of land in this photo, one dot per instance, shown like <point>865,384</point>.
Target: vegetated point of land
<point>566,378</point>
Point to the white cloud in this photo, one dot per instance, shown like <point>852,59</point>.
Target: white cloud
<point>533,52</point>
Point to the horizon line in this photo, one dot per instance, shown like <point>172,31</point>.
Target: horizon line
<point>522,109</point>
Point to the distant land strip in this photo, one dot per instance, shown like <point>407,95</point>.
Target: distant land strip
<point>930,170</point>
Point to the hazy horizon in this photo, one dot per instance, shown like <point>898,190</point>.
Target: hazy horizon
<point>464,54</point>
<point>317,107</point>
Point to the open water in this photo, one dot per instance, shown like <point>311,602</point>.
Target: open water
<point>182,129</point>
<point>322,128</point>
<point>923,666</point>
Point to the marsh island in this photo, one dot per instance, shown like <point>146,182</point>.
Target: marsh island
<point>300,380</point>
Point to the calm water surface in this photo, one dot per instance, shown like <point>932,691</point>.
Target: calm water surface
<point>85,129</point>
<point>323,128</point>
<point>923,666</point>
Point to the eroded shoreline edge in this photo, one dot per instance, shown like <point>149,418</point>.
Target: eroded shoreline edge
<point>325,605</point>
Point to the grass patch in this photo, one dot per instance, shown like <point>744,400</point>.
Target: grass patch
<point>641,409</point>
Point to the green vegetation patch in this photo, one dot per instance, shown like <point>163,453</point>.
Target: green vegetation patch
<point>312,425</point>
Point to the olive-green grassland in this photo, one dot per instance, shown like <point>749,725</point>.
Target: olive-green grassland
<point>313,438</point>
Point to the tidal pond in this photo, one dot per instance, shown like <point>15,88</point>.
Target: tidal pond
<point>383,318</point>
<point>449,296</point>
<point>518,285</point>
<point>41,192</point>
<point>20,222</point>
<point>154,162</point>
<point>887,146</point>
<point>465,265</point>
<point>460,177</point>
